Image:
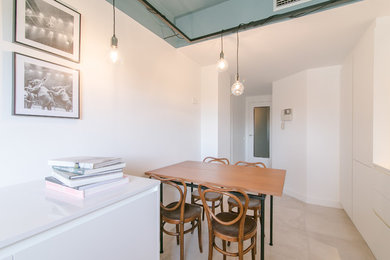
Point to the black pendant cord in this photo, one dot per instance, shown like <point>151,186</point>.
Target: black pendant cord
<point>222,41</point>
<point>113,10</point>
<point>238,45</point>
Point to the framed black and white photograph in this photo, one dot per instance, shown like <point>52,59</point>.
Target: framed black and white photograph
<point>43,88</point>
<point>49,26</point>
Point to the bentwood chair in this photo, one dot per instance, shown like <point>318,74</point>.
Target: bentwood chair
<point>210,159</point>
<point>214,200</point>
<point>254,203</point>
<point>179,213</point>
<point>230,226</point>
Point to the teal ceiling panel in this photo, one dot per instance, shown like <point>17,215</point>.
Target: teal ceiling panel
<point>183,22</point>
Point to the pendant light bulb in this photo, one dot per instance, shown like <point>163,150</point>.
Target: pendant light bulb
<point>237,87</point>
<point>222,64</point>
<point>114,40</point>
<point>114,55</point>
<point>114,49</point>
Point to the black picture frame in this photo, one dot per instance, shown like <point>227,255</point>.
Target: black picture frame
<point>43,88</point>
<point>48,25</point>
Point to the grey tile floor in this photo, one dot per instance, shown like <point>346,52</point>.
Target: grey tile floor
<point>301,231</point>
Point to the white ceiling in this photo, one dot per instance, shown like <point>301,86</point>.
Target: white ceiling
<point>275,51</point>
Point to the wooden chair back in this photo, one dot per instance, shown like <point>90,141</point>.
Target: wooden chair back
<point>250,164</point>
<point>210,159</point>
<point>230,193</point>
<point>174,182</point>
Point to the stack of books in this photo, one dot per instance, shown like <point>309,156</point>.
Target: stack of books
<point>84,176</point>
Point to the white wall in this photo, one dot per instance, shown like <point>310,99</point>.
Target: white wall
<point>367,66</point>
<point>289,144</point>
<point>323,113</point>
<point>238,121</point>
<point>139,109</point>
<point>215,113</point>
<point>381,95</point>
<point>209,108</point>
<point>346,177</point>
<point>308,147</point>
<point>224,131</point>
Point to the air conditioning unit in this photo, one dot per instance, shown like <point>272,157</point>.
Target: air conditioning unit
<point>282,4</point>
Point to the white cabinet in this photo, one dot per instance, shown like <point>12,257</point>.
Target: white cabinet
<point>125,229</point>
<point>368,67</point>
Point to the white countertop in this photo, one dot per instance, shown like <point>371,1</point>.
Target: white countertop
<point>28,209</point>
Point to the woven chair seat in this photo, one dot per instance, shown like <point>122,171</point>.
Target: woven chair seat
<point>190,211</point>
<point>253,203</point>
<point>210,196</point>
<point>232,230</point>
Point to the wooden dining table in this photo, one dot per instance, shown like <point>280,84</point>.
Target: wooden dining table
<point>261,181</point>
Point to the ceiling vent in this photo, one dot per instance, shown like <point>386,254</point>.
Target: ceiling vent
<point>282,4</point>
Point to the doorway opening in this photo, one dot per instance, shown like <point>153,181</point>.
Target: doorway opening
<point>258,144</point>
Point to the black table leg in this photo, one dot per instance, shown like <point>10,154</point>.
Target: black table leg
<point>161,233</point>
<point>271,220</point>
<point>262,227</point>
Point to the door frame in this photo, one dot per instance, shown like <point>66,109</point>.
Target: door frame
<point>252,102</point>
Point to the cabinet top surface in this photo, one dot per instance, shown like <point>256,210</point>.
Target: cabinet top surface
<point>28,209</point>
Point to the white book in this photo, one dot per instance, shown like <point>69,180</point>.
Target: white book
<point>85,190</point>
<point>70,175</point>
<point>85,162</point>
<point>84,181</point>
<point>113,167</point>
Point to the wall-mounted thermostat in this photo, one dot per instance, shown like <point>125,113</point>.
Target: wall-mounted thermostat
<point>286,116</point>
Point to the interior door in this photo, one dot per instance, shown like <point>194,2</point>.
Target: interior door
<point>259,133</point>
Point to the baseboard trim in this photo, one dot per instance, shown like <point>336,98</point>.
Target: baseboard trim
<point>313,201</point>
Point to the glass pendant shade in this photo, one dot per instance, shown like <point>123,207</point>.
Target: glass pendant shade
<point>222,64</point>
<point>237,88</point>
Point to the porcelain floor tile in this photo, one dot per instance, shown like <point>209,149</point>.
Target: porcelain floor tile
<point>301,232</point>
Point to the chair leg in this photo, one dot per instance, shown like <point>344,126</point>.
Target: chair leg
<point>213,207</point>
<point>203,209</point>
<point>255,216</point>
<point>221,204</point>
<point>241,250</point>
<point>253,240</point>
<point>178,234</point>
<point>211,243</point>
<point>181,241</point>
<point>200,234</point>
<point>224,248</point>
<point>192,222</point>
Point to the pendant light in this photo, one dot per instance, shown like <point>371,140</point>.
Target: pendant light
<point>237,87</point>
<point>222,64</point>
<point>114,40</point>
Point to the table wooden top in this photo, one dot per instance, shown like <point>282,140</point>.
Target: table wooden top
<point>251,179</point>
